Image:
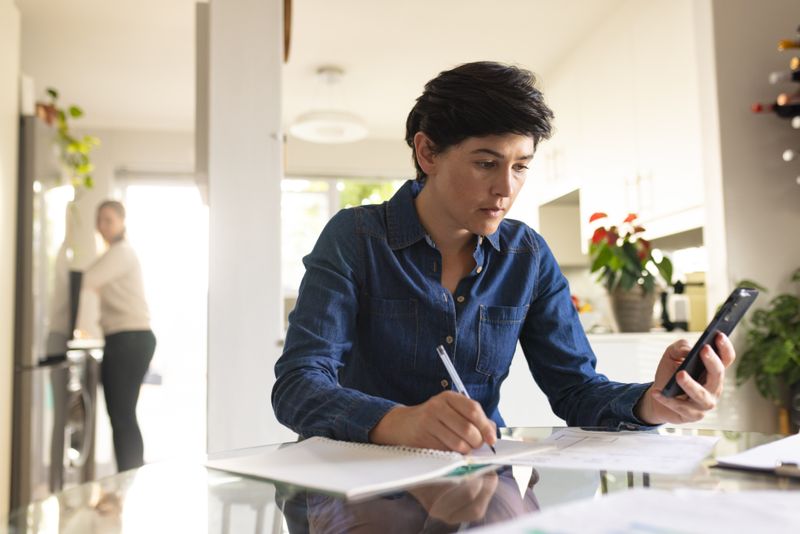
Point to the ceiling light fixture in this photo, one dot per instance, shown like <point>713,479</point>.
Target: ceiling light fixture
<point>331,122</point>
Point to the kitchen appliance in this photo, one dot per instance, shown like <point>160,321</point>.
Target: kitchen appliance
<point>55,381</point>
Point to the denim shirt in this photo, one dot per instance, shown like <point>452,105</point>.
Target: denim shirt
<point>371,311</point>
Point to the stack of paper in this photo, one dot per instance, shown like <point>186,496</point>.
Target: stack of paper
<point>646,452</point>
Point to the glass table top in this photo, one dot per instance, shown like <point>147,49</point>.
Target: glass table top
<point>186,497</point>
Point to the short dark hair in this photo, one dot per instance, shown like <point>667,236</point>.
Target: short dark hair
<point>475,100</point>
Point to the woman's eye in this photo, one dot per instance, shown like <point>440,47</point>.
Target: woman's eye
<point>520,168</point>
<point>486,164</point>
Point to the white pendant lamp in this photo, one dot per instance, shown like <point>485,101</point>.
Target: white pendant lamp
<point>330,123</point>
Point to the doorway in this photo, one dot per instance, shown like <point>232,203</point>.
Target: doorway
<point>167,225</point>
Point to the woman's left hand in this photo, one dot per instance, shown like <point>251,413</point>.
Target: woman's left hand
<point>700,397</point>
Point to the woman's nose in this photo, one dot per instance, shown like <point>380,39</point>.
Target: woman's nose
<point>503,184</point>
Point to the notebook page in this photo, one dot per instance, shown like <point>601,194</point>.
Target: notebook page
<point>343,468</point>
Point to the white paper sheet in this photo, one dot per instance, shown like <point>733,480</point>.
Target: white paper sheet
<point>766,457</point>
<point>622,451</point>
<point>650,511</point>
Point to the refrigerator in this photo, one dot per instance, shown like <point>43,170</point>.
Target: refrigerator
<point>55,377</point>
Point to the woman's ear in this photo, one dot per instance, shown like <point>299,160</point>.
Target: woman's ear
<point>425,153</point>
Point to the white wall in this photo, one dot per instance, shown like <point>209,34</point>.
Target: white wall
<point>137,150</point>
<point>754,232</point>
<point>245,149</point>
<point>9,127</point>
<point>380,158</point>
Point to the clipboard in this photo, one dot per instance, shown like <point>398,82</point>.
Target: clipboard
<point>781,457</point>
<point>787,469</point>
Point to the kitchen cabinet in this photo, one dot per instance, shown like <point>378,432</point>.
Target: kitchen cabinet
<point>669,179</point>
<point>628,120</point>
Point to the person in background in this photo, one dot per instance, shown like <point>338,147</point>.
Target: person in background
<point>129,342</point>
<point>440,264</point>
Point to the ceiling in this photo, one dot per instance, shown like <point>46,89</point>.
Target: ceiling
<point>130,63</point>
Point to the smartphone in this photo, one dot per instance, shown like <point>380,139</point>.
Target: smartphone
<point>725,320</point>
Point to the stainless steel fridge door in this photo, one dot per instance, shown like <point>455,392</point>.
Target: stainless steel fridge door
<point>54,424</point>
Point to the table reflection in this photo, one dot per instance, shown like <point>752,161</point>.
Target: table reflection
<point>186,497</point>
<point>441,506</point>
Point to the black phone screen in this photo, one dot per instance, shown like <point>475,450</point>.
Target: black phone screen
<point>725,320</point>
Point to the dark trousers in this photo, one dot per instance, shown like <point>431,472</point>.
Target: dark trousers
<point>126,358</point>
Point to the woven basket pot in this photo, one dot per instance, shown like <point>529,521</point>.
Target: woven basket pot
<point>633,310</point>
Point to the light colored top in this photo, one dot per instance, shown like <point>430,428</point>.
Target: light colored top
<point>117,277</point>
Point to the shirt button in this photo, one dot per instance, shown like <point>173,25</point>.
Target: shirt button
<point>449,340</point>
<point>479,269</point>
<point>460,298</point>
<point>445,383</point>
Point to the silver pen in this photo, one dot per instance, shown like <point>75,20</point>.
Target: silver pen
<point>451,370</point>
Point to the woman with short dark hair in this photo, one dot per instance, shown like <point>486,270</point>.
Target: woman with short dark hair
<point>439,264</point>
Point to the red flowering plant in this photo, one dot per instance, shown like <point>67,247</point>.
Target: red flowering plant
<point>624,258</point>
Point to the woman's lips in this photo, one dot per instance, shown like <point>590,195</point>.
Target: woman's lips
<point>493,211</point>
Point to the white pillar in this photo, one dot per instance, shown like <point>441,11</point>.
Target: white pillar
<point>9,128</point>
<point>244,174</point>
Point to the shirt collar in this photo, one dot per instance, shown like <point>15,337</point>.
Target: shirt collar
<point>494,239</point>
<point>403,227</point>
<point>402,222</point>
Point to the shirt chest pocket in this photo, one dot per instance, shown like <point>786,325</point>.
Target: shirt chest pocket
<point>390,333</point>
<point>498,333</point>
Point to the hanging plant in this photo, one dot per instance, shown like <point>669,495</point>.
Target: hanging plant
<point>73,151</point>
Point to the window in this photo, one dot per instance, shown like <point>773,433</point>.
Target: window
<point>307,204</point>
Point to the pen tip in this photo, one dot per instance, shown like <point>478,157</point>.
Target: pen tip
<point>492,447</point>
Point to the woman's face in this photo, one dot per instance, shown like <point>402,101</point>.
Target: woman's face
<point>110,224</point>
<point>476,182</point>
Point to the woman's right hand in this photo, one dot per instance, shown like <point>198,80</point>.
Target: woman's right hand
<point>447,421</point>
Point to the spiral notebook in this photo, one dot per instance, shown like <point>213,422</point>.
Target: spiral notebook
<point>358,469</point>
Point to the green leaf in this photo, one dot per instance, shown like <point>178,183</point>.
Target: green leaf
<point>602,258</point>
<point>665,270</point>
<point>796,276</point>
<point>75,111</point>
<point>627,281</point>
<point>649,284</point>
<point>88,182</point>
<point>750,283</point>
<point>52,92</point>
<point>91,141</point>
<point>84,168</point>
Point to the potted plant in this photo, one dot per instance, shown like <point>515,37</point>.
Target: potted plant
<point>628,269</point>
<point>772,354</point>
